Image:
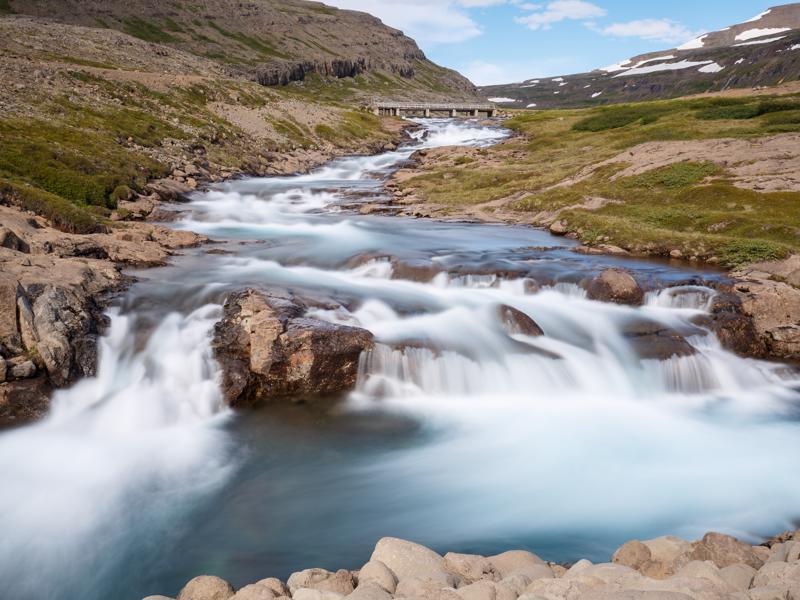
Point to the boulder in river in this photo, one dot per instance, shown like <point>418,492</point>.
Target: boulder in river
<point>267,349</point>
<point>516,322</point>
<point>652,340</point>
<point>616,285</point>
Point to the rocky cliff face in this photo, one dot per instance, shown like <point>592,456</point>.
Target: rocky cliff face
<point>764,51</point>
<point>274,42</point>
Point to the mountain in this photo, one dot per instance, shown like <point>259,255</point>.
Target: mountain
<point>273,42</point>
<point>763,51</point>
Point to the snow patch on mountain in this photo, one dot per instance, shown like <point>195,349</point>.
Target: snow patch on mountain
<point>760,41</point>
<point>759,33</point>
<point>694,44</point>
<point>759,16</point>
<point>676,66</point>
<point>712,68</point>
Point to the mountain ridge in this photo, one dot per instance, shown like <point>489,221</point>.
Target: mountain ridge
<point>272,42</point>
<point>763,51</point>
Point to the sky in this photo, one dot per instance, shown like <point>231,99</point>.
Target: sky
<point>504,41</point>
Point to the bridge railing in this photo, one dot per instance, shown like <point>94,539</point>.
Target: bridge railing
<point>432,106</point>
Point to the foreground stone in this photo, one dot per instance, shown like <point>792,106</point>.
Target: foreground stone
<point>268,349</point>
<point>717,567</point>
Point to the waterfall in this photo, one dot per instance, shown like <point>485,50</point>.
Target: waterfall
<point>466,427</point>
<point>119,458</point>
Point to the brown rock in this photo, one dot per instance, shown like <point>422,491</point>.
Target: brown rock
<point>24,400</point>
<point>517,562</point>
<point>276,585</point>
<point>10,240</point>
<point>369,591</point>
<point>470,567</point>
<point>616,285</point>
<point>724,550</point>
<point>378,573</point>
<point>267,350</point>
<point>517,322</point>
<point>410,561</point>
<point>10,339</point>
<point>22,369</point>
<point>632,554</point>
<point>206,587</point>
<point>733,326</point>
<point>652,340</point>
<point>169,190</point>
<point>254,591</point>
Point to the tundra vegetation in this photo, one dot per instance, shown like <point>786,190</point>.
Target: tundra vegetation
<point>694,207</point>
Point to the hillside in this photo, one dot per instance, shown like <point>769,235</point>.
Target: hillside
<point>100,99</point>
<point>710,179</point>
<point>273,42</point>
<point>764,51</point>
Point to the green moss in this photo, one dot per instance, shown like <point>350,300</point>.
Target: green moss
<point>121,193</point>
<point>741,252</point>
<point>138,27</point>
<point>676,175</point>
<point>252,43</point>
<point>619,116</point>
<point>62,214</point>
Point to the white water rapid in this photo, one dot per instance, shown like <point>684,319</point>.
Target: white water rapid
<point>465,432</point>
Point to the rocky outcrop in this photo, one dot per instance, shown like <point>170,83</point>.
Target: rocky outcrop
<point>615,285</point>
<point>717,567</point>
<point>268,350</point>
<point>758,316</point>
<point>273,42</point>
<point>53,289</point>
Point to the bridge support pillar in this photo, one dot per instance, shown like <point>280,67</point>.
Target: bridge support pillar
<point>475,113</point>
<point>453,113</point>
<point>427,113</point>
<point>492,113</point>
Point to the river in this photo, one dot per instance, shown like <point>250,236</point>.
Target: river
<point>458,435</point>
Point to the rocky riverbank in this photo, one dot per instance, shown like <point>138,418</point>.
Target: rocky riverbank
<point>55,285</point>
<point>715,567</point>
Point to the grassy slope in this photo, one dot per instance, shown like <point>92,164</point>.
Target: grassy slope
<point>83,149</point>
<point>690,207</point>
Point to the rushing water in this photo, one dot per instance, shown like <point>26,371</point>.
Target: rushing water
<point>460,434</point>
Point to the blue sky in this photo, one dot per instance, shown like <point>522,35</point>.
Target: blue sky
<point>500,41</point>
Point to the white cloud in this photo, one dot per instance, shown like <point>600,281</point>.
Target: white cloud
<point>659,30</point>
<point>427,21</point>
<point>544,16</point>
<point>507,71</point>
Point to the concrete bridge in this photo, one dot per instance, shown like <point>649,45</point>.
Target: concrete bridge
<point>427,109</point>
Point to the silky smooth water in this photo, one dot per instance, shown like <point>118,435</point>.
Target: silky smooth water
<point>460,434</point>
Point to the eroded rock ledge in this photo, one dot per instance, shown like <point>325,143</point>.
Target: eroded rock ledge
<point>53,289</point>
<point>267,349</point>
<point>717,567</point>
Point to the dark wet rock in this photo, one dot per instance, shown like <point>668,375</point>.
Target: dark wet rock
<point>24,400</point>
<point>10,338</point>
<point>616,285</point>
<point>21,368</point>
<point>10,240</point>
<point>733,326</point>
<point>423,270</point>
<point>516,322</point>
<point>652,340</point>
<point>268,350</point>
